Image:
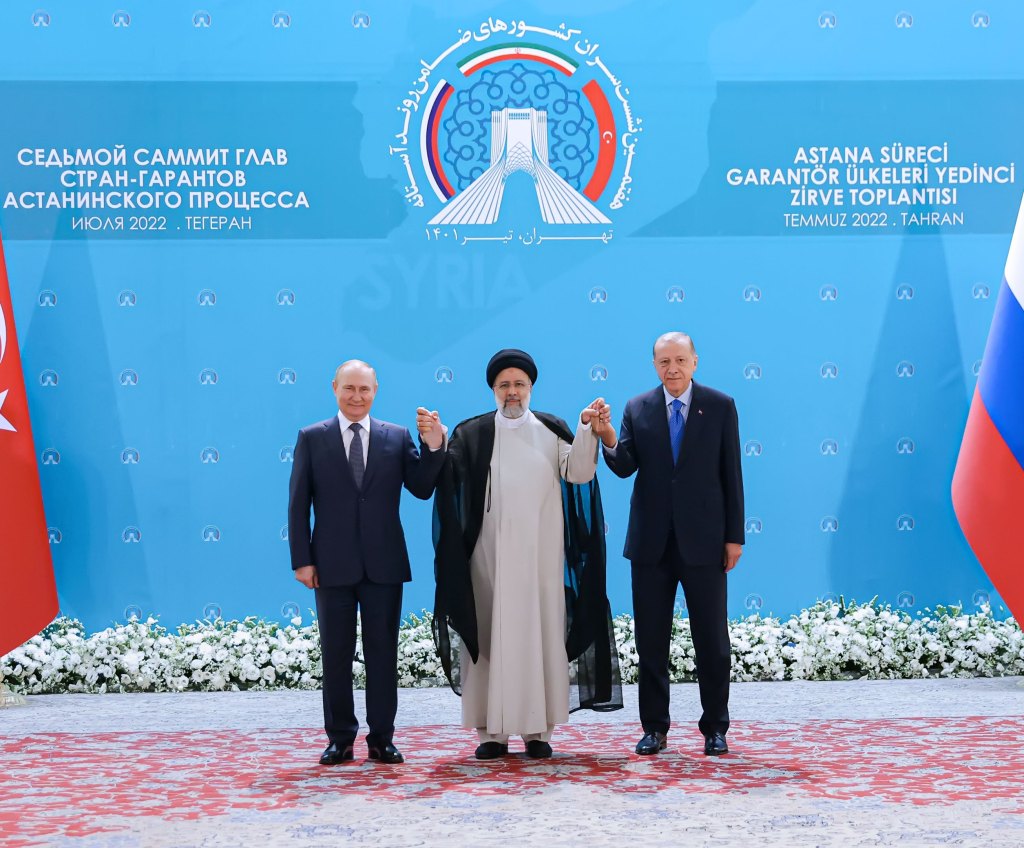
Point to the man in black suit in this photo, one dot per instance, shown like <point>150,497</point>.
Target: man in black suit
<point>685,526</point>
<point>350,469</point>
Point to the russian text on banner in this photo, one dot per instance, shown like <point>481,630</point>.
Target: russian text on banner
<point>988,484</point>
<point>28,593</point>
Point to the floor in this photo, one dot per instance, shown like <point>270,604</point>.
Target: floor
<point>855,763</point>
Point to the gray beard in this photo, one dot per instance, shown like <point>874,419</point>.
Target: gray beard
<point>517,411</point>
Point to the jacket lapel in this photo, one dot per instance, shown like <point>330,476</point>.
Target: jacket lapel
<point>694,423</point>
<point>658,417</point>
<point>378,438</point>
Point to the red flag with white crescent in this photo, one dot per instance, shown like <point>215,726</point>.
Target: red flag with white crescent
<point>28,593</point>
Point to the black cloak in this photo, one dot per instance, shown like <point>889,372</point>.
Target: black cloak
<point>459,506</point>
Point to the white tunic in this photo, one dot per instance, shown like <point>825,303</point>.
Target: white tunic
<point>520,685</point>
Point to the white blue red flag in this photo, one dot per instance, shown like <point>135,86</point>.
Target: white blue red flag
<point>988,484</point>
<point>28,595</point>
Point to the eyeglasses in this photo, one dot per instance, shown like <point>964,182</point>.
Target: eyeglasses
<point>518,385</point>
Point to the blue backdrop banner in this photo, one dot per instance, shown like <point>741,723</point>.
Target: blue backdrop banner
<point>205,210</point>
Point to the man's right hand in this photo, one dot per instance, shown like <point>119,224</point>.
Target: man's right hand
<point>306,575</point>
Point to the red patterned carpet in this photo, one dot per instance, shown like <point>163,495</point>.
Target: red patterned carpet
<point>63,788</point>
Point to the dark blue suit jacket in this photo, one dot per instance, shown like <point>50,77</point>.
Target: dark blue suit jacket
<point>357,532</point>
<point>700,497</point>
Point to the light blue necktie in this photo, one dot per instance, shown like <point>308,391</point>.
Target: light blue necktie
<point>676,425</point>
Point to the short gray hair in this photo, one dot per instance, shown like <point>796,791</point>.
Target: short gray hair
<point>674,336</point>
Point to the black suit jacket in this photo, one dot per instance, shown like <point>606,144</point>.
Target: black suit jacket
<point>700,497</point>
<point>357,531</point>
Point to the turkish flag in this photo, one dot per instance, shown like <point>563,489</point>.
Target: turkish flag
<point>28,593</point>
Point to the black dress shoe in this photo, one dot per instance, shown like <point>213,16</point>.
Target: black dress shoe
<point>651,743</point>
<point>538,750</point>
<point>714,745</point>
<point>388,754</point>
<point>491,750</point>
<point>335,753</point>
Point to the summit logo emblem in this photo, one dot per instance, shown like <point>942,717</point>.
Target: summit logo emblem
<point>520,129</point>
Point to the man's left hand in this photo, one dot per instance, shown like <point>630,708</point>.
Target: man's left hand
<point>430,427</point>
<point>732,555</point>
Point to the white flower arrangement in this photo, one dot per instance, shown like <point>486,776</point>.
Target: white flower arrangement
<point>829,641</point>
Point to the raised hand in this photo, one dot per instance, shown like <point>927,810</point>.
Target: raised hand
<point>430,428</point>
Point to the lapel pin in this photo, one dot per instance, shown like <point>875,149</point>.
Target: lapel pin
<point>700,411</point>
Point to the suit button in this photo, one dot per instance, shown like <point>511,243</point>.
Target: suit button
<point>362,500</point>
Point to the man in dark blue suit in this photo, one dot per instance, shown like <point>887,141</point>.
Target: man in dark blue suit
<point>351,469</point>
<point>685,526</point>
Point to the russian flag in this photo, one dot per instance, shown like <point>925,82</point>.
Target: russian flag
<point>988,484</point>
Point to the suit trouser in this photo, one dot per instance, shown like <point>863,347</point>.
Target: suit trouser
<point>654,595</point>
<point>380,611</point>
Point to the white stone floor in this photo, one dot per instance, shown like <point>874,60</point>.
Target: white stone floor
<point>782,701</point>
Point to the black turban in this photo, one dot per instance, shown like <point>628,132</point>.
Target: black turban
<point>511,357</point>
